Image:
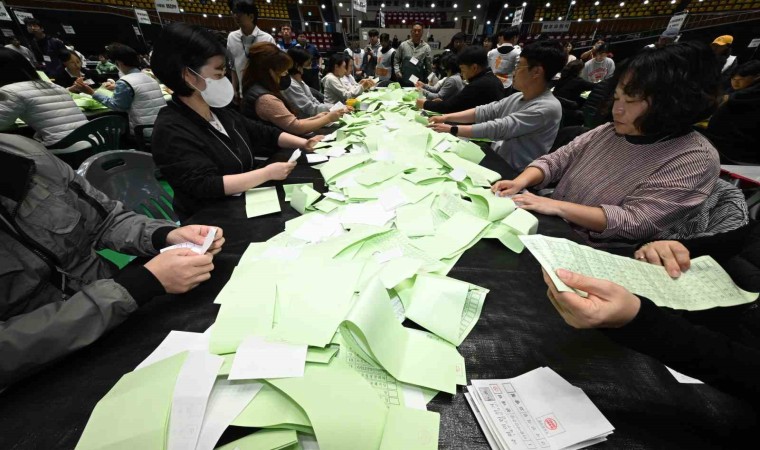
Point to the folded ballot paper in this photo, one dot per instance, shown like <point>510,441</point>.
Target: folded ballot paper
<point>537,410</point>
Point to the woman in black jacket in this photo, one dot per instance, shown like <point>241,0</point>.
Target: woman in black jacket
<point>720,347</point>
<point>570,85</point>
<point>205,150</point>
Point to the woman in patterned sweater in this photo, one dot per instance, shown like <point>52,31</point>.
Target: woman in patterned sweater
<point>646,174</point>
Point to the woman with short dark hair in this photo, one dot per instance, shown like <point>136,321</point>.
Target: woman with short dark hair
<point>263,82</point>
<point>45,107</point>
<point>647,174</point>
<point>205,150</point>
<point>335,90</point>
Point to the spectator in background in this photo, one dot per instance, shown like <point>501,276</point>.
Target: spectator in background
<point>356,55</point>
<point>16,45</point>
<point>568,51</point>
<point>71,71</point>
<point>503,59</point>
<point>647,175</point>
<point>588,54</point>
<point>205,150</point>
<point>387,61</point>
<point>264,80</point>
<point>482,85</point>
<point>287,40</point>
<point>667,37</point>
<point>457,42</point>
<point>395,43</point>
<point>47,108</point>
<point>310,74</point>
<point>571,85</point>
<point>431,38</point>
<point>489,42</point>
<point>734,127</point>
<point>334,88</point>
<point>600,67</point>
<point>298,94</point>
<point>450,86</point>
<point>47,50</point>
<point>721,46</point>
<point>105,66</point>
<point>524,124</point>
<point>369,61</point>
<point>246,15</point>
<point>415,57</point>
<point>135,92</point>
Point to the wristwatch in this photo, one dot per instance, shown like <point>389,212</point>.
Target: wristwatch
<point>454,130</point>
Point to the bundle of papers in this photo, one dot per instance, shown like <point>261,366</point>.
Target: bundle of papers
<point>310,334</point>
<point>537,410</point>
<point>705,285</point>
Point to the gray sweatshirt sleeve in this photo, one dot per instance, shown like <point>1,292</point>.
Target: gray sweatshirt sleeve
<point>30,340</point>
<point>489,111</point>
<point>512,125</point>
<point>448,89</point>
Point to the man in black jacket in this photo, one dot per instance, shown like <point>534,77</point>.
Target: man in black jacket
<point>483,87</point>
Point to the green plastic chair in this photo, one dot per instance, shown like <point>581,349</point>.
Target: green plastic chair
<point>129,176</point>
<point>98,135</point>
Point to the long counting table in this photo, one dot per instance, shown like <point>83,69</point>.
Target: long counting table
<point>518,331</point>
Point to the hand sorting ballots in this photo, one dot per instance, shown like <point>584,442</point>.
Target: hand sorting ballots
<point>608,305</point>
<point>180,270</point>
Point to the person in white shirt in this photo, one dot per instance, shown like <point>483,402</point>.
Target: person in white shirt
<point>239,41</point>
<point>504,58</point>
<point>16,46</point>
<point>387,61</point>
<point>357,55</point>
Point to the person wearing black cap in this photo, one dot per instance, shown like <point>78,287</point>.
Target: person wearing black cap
<point>239,41</point>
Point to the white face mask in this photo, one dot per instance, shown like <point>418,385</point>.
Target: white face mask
<point>218,93</point>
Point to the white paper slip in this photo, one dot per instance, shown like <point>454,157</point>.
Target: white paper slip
<point>367,213</point>
<point>346,182</point>
<point>392,198</point>
<point>282,253</point>
<point>443,146</point>
<point>296,154</point>
<point>228,399</point>
<point>430,77</point>
<point>684,379</point>
<point>336,152</point>
<point>384,257</point>
<point>176,342</point>
<point>191,394</point>
<point>316,158</point>
<point>413,397</point>
<point>257,358</point>
<point>336,196</point>
<point>413,78</point>
<point>330,137</point>
<point>337,107</point>
<point>376,80</point>
<point>383,155</point>
<point>199,249</point>
<point>318,229</point>
<point>458,175</point>
<point>414,61</point>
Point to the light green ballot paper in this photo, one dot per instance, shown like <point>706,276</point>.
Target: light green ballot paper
<point>705,285</point>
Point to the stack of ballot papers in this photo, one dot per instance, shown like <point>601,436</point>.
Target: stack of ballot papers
<point>537,410</point>
<point>314,332</point>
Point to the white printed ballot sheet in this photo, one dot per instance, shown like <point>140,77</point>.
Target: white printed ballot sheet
<point>537,410</point>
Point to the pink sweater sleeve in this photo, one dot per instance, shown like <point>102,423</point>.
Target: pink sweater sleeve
<point>271,109</point>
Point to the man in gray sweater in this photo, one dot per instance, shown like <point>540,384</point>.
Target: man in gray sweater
<point>524,124</point>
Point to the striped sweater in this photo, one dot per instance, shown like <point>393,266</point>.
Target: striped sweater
<point>645,190</point>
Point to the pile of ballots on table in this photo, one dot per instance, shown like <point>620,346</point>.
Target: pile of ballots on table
<point>309,344</point>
